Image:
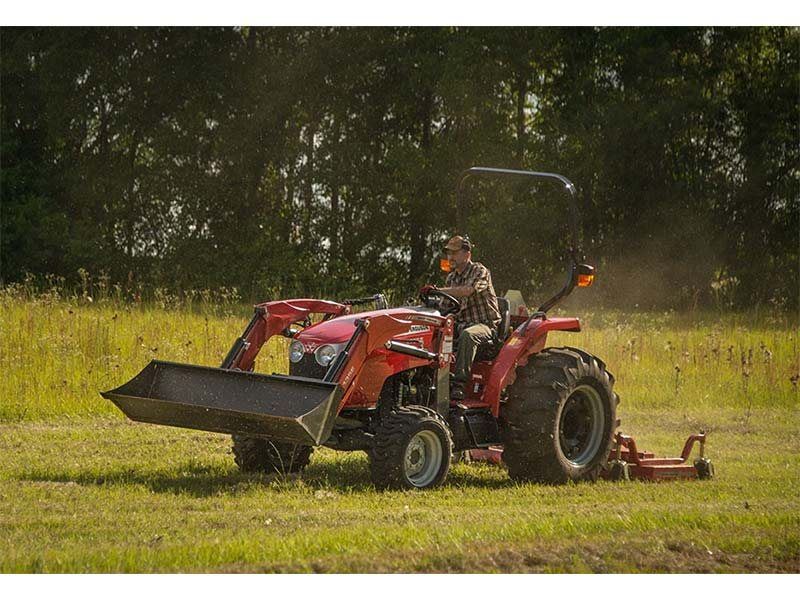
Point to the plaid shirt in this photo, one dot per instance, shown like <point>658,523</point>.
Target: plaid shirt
<point>481,306</point>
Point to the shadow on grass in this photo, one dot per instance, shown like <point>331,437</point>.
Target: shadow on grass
<point>347,475</point>
<point>193,479</point>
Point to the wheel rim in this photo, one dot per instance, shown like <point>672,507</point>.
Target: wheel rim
<point>423,458</point>
<point>580,428</point>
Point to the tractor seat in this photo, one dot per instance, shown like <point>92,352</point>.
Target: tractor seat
<point>490,349</point>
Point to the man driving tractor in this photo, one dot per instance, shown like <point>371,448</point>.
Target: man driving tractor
<point>476,322</point>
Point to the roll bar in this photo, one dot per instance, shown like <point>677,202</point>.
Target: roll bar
<point>575,255</point>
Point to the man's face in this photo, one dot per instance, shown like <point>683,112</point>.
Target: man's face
<point>458,258</point>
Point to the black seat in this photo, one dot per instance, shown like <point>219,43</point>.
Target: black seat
<point>505,319</point>
<point>490,349</point>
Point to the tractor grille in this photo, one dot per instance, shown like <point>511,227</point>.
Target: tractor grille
<point>307,367</point>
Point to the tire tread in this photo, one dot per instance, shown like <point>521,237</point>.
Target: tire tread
<point>386,459</point>
<point>253,454</point>
<point>528,418</point>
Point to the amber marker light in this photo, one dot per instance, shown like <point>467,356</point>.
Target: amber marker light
<point>445,265</point>
<point>585,275</point>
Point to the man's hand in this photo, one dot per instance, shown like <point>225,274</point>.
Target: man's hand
<point>426,289</point>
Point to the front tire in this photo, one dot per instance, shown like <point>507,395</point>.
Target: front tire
<point>254,454</point>
<point>558,422</point>
<point>412,449</point>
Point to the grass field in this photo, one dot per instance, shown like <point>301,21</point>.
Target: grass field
<point>84,490</point>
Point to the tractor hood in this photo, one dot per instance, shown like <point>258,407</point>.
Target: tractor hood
<point>340,329</point>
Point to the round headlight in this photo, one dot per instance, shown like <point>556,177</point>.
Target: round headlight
<point>325,355</point>
<point>296,351</point>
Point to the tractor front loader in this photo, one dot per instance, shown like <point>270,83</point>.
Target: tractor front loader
<point>378,381</point>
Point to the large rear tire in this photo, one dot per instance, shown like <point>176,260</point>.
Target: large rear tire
<point>559,418</point>
<point>412,449</point>
<point>254,454</point>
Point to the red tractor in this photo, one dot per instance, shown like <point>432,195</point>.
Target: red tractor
<point>378,382</point>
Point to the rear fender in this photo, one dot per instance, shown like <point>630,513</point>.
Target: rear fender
<point>522,343</point>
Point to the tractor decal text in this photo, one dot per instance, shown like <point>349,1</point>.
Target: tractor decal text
<point>348,376</point>
<point>447,347</point>
<point>424,319</point>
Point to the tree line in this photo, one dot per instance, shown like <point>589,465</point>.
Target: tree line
<point>323,161</point>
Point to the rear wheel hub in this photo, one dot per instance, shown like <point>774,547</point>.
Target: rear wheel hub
<point>580,427</point>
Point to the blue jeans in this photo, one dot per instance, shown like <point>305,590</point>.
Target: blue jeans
<point>472,336</point>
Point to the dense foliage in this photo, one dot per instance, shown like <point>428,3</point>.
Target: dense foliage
<point>324,160</point>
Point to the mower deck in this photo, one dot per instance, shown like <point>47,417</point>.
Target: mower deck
<point>627,462</point>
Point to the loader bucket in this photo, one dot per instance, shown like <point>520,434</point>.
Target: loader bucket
<point>291,409</point>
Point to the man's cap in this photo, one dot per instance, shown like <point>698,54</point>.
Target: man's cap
<point>458,242</point>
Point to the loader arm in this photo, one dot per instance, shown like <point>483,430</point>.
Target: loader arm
<point>271,318</point>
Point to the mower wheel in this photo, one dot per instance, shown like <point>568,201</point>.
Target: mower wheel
<point>704,468</point>
<point>254,454</point>
<point>559,418</point>
<point>619,470</point>
<point>412,449</point>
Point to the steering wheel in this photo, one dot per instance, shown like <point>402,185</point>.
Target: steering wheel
<point>454,303</point>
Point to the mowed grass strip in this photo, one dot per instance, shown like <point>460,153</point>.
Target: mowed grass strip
<point>103,495</point>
